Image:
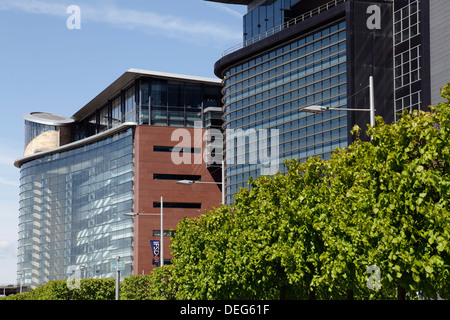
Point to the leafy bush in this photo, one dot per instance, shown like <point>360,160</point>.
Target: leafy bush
<point>156,286</point>
<point>90,289</point>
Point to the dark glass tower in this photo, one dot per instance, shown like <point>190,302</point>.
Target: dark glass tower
<point>314,53</point>
<point>298,53</point>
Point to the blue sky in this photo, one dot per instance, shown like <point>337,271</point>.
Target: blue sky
<point>44,66</point>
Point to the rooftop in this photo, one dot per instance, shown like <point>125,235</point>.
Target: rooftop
<point>47,118</point>
<point>126,80</point>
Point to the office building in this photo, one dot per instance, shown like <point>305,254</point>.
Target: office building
<point>298,53</point>
<point>91,185</point>
<point>421,40</point>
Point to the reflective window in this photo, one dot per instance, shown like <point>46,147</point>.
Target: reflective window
<point>116,116</point>
<point>407,56</point>
<point>156,102</point>
<point>33,129</point>
<point>269,91</point>
<point>130,105</point>
<point>72,207</point>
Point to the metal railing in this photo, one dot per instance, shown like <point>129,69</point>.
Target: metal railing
<point>283,26</point>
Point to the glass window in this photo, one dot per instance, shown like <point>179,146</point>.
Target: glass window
<point>116,116</point>
<point>175,94</point>
<point>130,105</point>
<point>144,101</point>
<point>286,88</point>
<point>158,93</point>
<point>32,130</point>
<point>104,119</point>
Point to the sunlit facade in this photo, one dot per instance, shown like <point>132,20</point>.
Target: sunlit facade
<point>71,211</point>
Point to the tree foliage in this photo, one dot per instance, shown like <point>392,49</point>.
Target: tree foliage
<point>319,230</point>
<point>158,285</point>
<point>90,289</point>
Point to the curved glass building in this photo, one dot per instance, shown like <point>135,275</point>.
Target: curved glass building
<point>295,54</point>
<point>71,210</point>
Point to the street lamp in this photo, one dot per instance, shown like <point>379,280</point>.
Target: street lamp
<point>133,214</point>
<point>189,182</point>
<point>320,109</point>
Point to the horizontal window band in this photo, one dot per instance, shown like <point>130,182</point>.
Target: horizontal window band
<point>178,205</point>
<point>176,149</point>
<point>295,48</point>
<point>163,176</point>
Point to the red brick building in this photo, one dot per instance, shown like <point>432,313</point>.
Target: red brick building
<point>156,176</point>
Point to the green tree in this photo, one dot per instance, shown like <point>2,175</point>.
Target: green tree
<point>158,285</point>
<point>320,229</point>
<point>387,207</point>
<point>411,179</point>
<point>265,246</point>
<point>90,289</point>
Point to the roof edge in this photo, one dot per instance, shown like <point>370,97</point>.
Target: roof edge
<point>19,162</point>
<point>56,121</point>
<point>126,80</point>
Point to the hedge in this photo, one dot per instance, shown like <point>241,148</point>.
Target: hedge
<point>156,286</point>
<point>90,289</point>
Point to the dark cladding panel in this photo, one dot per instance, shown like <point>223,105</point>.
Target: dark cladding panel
<point>370,52</point>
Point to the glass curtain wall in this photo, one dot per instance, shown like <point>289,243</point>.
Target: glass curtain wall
<point>407,56</point>
<point>32,130</point>
<point>116,111</point>
<point>71,214</point>
<point>151,101</point>
<point>269,91</point>
<point>130,105</point>
<point>175,103</point>
<point>267,16</point>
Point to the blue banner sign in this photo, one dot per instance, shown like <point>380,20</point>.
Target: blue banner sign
<point>156,250</point>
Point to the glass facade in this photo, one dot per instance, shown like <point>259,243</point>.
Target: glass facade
<point>407,56</point>
<point>175,103</point>
<point>33,129</point>
<point>268,92</point>
<point>152,101</point>
<point>72,207</point>
<point>270,14</point>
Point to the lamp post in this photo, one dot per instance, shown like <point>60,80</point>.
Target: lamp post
<point>132,214</point>
<point>189,182</point>
<point>20,273</point>
<point>321,109</point>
